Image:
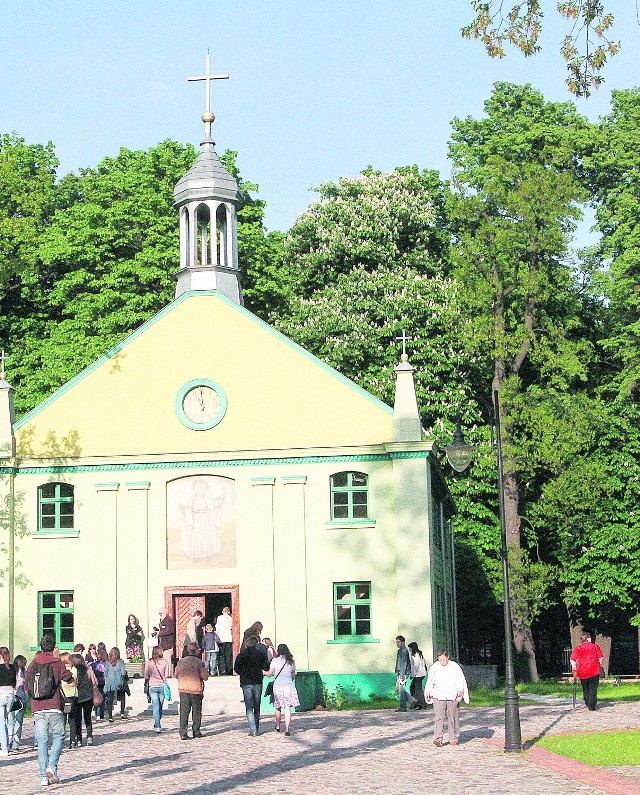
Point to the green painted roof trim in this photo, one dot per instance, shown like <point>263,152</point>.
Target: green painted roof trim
<point>236,462</point>
<point>169,308</point>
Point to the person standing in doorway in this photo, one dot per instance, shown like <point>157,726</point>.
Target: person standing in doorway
<point>43,686</point>
<point>403,672</point>
<point>446,687</point>
<point>224,628</point>
<point>192,675</point>
<point>166,635</point>
<point>587,660</point>
<point>251,665</point>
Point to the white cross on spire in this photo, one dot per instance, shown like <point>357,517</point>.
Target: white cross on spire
<point>208,77</point>
<point>404,339</point>
<point>3,359</point>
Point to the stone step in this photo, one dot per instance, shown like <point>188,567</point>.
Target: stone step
<point>222,696</point>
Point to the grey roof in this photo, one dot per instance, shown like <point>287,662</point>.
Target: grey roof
<point>207,179</point>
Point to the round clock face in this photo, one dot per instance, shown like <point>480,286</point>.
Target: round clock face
<point>201,404</point>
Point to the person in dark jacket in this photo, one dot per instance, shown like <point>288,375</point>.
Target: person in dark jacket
<point>403,672</point>
<point>47,712</point>
<point>251,665</point>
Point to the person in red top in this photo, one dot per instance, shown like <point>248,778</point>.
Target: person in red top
<point>586,662</point>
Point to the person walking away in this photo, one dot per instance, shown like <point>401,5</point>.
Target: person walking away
<point>403,672</point>
<point>446,687</point>
<point>224,628</point>
<point>43,678</point>
<point>7,689</point>
<point>156,671</point>
<point>98,668</point>
<point>193,632</point>
<point>210,644</point>
<point>271,652</point>
<point>192,675</point>
<point>285,695</point>
<point>418,673</point>
<point>115,684</point>
<point>85,682</point>
<point>17,716</point>
<point>587,660</point>
<point>70,700</point>
<point>255,630</point>
<point>251,665</point>
<point>166,635</point>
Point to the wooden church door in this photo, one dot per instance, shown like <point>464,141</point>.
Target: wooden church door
<point>184,609</point>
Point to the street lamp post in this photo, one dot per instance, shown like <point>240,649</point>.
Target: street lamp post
<point>459,456</point>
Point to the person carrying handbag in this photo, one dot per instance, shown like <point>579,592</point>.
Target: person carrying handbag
<point>155,673</point>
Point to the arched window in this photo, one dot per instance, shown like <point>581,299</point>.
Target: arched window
<point>349,495</point>
<point>221,228</point>
<point>55,507</point>
<point>203,216</point>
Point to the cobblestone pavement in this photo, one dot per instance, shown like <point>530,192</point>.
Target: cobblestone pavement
<point>342,753</point>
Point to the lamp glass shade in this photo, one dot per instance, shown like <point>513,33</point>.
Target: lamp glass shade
<point>459,455</point>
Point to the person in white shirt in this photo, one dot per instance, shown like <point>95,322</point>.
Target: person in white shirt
<point>224,628</point>
<point>446,687</point>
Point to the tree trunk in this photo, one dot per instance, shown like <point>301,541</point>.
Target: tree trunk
<point>522,635</point>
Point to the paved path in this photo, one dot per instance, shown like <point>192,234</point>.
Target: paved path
<point>341,753</point>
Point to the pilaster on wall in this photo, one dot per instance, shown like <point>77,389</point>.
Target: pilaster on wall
<point>108,580</point>
<point>134,561</point>
<point>290,564</point>
<point>413,573</point>
<point>262,555</point>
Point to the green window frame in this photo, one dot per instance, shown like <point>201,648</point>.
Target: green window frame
<point>56,617</point>
<point>55,507</point>
<point>349,495</point>
<point>351,610</point>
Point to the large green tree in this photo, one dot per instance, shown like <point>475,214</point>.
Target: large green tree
<point>514,206</point>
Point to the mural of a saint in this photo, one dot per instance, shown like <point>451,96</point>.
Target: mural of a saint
<point>200,513</point>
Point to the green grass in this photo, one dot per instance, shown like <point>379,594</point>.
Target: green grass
<point>602,749</point>
<point>488,697</point>
<point>606,692</point>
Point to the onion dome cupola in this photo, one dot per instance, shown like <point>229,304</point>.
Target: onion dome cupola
<point>207,198</point>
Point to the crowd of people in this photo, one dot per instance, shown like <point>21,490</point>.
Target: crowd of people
<point>68,691</point>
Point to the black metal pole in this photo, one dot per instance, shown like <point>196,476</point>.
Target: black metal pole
<point>512,734</point>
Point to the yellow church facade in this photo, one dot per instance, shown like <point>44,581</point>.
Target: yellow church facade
<point>208,461</point>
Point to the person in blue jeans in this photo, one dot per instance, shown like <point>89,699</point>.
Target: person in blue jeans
<point>47,712</point>
<point>16,717</point>
<point>251,665</point>
<point>403,672</point>
<point>155,672</point>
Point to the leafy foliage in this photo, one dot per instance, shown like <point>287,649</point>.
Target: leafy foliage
<point>586,49</point>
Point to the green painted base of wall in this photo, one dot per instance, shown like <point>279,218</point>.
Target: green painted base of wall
<point>359,687</point>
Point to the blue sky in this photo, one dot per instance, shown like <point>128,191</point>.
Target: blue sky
<point>317,90</point>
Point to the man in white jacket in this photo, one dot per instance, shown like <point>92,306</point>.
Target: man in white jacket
<point>446,687</point>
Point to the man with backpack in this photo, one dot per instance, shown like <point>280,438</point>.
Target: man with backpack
<point>587,660</point>
<point>43,686</point>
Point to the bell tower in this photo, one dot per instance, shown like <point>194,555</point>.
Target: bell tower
<point>207,199</point>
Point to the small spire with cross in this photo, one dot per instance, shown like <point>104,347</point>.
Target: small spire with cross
<point>404,340</point>
<point>208,117</point>
<point>3,359</point>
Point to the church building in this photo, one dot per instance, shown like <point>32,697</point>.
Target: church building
<point>208,461</point>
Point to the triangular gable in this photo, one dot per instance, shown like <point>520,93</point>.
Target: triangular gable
<point>278,396</point>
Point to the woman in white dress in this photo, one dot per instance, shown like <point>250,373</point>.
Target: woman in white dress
<point>285,695</point>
